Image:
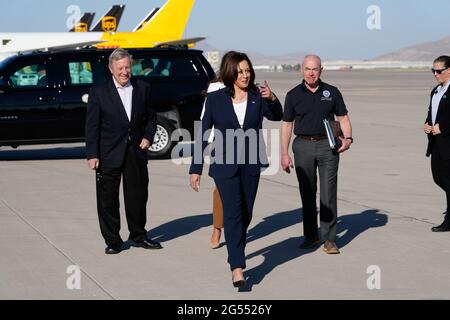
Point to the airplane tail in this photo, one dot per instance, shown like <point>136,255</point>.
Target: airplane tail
<point>84,24</point>
<point>170,20</point>
<point>110,21</point>
<point>146,19</point>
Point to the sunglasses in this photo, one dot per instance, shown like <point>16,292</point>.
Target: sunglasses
<point>438,71</point>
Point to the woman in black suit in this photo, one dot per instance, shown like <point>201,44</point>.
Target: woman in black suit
<point>237,156</point>
<point>437,126</point>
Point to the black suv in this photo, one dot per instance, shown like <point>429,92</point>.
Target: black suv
<point>43,96</point>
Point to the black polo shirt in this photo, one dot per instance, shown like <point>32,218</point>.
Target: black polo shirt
<point>308,109</point>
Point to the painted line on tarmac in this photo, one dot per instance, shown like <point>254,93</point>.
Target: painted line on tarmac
<point>58,249</point>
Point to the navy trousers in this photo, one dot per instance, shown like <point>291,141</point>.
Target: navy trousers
<point>238,195</point>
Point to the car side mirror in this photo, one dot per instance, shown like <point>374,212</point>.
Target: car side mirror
<point>5,85</point>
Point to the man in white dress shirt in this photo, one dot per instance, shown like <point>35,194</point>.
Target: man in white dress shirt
<point>120,127</point>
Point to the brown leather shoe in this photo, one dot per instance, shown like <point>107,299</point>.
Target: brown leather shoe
<point>330,247</point>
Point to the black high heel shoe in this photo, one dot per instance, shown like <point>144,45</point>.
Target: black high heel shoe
<point>238,283</point>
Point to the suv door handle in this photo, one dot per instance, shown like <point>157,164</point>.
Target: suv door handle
<point>47,98</point>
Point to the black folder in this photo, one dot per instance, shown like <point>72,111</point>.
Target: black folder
<point>333,129</point>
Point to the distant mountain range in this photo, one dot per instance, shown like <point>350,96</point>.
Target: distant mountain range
<point>258,58</point>
<point>421,52</point>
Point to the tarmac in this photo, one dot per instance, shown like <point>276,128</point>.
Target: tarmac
<point>387,203</point>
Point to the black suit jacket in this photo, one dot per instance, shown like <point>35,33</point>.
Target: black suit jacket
<point>108,130</point>
<point>440,143</point>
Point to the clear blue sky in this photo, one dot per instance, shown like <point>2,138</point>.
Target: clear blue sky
<point>333,29</point>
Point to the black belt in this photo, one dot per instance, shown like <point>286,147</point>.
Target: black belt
<point>311,138</point>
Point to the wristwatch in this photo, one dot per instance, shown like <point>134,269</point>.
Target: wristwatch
<point>350,138</point>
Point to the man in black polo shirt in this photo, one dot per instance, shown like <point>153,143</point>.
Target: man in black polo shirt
<point>305,108</point>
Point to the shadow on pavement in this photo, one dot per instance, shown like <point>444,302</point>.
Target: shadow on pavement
<point>274,223</point>
<point>287,250</point>
<point>350,226</point>
<point>180,227</point>
<point>355,224</point>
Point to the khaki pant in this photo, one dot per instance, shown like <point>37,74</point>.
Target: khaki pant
<point>217,210</point>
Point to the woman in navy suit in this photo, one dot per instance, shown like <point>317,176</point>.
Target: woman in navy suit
<point>238,150</point>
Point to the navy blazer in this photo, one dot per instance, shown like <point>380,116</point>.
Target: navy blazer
<point>219,112</point>
<point>108,130</point>
<point>441,142</point>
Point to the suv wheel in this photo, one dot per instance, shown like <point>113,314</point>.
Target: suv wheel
<point>162,144</point>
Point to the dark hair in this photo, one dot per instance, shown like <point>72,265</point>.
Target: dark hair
<point>223,63</point>
<point>147,63</point>
<point>219,73</point>
<point>229,70</point>
<point>444,59</point>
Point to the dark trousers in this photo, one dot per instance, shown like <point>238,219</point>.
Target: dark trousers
<point>440,169</point>
<point>310,156</point>
<point>135,192</point>
<point>238,195</point>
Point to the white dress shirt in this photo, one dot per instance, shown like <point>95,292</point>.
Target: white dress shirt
<point>239,109</point>
<point>438,94</point>
<point>126,95</point>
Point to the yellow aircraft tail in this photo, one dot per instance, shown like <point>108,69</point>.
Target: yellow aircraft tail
<point>166,26</point>
<point>170,21</point>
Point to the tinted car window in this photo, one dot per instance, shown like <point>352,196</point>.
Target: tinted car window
<point>80,73</point>
<point>81,69</point>
<point>156,67</point>
<point>29,76</point>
